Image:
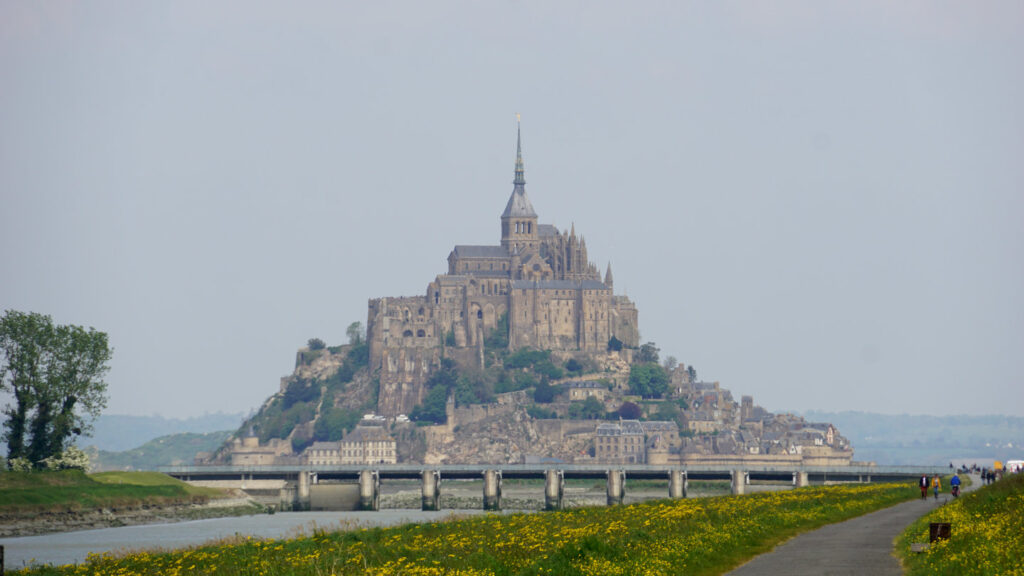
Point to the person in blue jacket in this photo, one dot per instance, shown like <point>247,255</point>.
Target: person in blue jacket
<point>955,485</point>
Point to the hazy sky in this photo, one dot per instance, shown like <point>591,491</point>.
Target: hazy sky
<point>817,203</point>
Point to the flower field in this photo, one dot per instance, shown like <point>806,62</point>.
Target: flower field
<point>692,536</point>
<point>987,534</point>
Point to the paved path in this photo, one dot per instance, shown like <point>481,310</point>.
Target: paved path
<point>858,546</point>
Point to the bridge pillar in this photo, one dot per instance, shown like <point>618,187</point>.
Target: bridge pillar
<point>800,479</point>
<point>739,479</point>
<point>616,486</point>
<point>369,490</point>
<point>302,496</point>
<point>554,489</point>
<point>492,489</point>
<point>676,484</point>
<point>431,490</point>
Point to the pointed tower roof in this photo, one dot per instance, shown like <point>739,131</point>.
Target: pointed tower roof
<point>519,205</point>
<point>608,275</point>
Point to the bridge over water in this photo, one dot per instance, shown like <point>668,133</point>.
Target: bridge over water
<point>298,479</point>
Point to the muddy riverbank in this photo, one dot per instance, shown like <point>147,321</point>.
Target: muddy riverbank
<point>54,521</point>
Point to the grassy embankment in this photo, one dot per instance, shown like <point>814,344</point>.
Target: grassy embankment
<point>73,490</point>
<point>987,534</point>
<point>692,536</point>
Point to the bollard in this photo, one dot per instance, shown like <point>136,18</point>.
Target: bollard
<point>492,489</point>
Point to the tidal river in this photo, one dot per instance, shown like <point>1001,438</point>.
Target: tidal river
<point>71,547</point>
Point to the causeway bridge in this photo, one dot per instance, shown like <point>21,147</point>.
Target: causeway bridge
<point>295,481</point>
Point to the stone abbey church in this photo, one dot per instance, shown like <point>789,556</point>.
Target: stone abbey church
<point>538,282</point>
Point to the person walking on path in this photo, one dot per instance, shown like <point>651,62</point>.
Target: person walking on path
<point>936,485</point>
<point>924,486</point>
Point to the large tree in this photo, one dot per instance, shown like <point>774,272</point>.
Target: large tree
<point>648,380</point>
<point>55,375</point>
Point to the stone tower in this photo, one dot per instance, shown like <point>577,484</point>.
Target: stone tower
<point>519,221</point>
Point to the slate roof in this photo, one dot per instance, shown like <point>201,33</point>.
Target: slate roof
<point>367,434</point>
<point>659,426</point>
<point>481,252</point>
<point>518,205</point>
<point>544,230</point>
<point>323,446</point>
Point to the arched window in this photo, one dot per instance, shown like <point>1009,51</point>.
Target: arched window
<point>420,333</point>
<point>407,333</point>
<point>480,314</point>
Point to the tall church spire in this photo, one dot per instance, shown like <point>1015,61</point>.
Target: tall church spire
<point>520,179</point>
<point>519,221</point>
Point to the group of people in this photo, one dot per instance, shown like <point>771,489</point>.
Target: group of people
<point>936,485</point>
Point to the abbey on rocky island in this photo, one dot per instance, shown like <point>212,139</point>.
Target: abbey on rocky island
<point>538,284</point>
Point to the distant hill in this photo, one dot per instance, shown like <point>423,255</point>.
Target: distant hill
<point>163,451</point>
<point>119,432</point>
<point>933,440</point>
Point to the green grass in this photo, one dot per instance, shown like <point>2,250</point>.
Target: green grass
<point>700,536</point>
<point>987,528</point>
<point>47,491</point>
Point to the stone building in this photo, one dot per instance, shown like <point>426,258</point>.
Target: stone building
<point>586,389</point>
<point>248,451</point>
<point>619,443</point>
<point>322,454</point>
<point>632,441</point>
<point>368,445</point>
<point>537,283</point>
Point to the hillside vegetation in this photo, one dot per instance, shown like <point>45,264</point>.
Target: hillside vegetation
<point>332,388</point>
<point>168,450</point>
<point>119,432</point>
<point>63,490</point>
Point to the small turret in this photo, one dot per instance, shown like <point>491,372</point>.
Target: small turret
<point>608,280</point>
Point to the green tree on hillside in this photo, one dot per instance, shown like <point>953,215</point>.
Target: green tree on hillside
<point>648,352</point>
<point>648,380</point>
<point>55,376</point>
<point>589,409</point>
<point>355,333</point>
